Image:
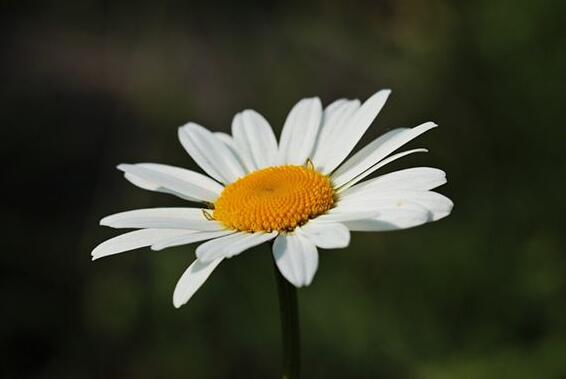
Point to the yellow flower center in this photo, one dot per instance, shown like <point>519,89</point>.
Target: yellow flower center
<point>274,199</point>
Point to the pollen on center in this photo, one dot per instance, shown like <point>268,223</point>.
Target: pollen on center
<point>274,199</point>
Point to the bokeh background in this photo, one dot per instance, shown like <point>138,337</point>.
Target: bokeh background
<point>86,85</point>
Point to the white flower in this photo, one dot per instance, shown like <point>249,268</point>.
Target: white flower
<point>296,193</point>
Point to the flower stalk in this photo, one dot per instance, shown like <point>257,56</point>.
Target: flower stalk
<point>290,331</point>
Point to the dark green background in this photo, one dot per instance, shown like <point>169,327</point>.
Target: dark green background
<point>86,85</point>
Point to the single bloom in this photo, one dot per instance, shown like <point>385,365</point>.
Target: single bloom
<point>303,193</point>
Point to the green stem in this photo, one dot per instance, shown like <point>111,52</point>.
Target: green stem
<point>290,332</point>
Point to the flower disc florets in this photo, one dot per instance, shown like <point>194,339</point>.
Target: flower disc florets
<point>274,199</point>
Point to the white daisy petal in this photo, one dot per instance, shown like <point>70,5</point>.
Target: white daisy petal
<point>392,219</point>
<point>327,235</point>
<point>243,150</point>
<point>330,108</point>
<point>231,144</point>
<point>369,148</point>
<point>438,205</point>
<point>300,131</point>
<point>134,240</point>
<point>178,181</point>
<point>217,246</point>
<point>341,214</point>
<point>210,153</point>
<point>377,166</point>
<point>227,139</point>
<point>296,257</point>
<point>416,179</point>
<point>188,239</point>
<point>191,280</point>
<point>345,141</point>
<point>376,151</point>
<point>231,245</point>
<point>335,118</point>
<point>255,139</point>
<point>163,218</point>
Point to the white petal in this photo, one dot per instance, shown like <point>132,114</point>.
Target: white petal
<point>377,166</point>
<point>439,206</point>
<point>300,131</point>
<point>227,139</point>
<point>178,181</point>
<point>191,280</point>
<point>231,245</point>
<point>330,108</point>
<point>417,178</point>
<point>188,239</point>
<point>231,144</point>
<point>327,235</point>
<point>210,153</point>
<point>334,120</point>
<point>255,140</point>
<point>341,214</point>
<point>376,151</point>
<point>344,142</point>
<point>296,257</point>
<point>134,240</point>
<point>241,148</point>
<point>369,148</point>
<point>163,218</point>
<point>391,219</point>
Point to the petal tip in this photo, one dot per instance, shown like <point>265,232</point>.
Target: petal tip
<point>201,256</point>
<point>156,247</point>
<point>123,166</point>
<point>177,303</point>
<point>188,127</point>
<point>178,300</point>
<point>381,94</point>
<point>450,205</point>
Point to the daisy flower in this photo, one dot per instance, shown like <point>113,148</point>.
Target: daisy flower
<point>303,193</point>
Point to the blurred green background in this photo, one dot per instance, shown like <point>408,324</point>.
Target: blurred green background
<point>86,85</point>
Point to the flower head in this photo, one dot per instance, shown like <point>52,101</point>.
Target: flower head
<point>297,192</point>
